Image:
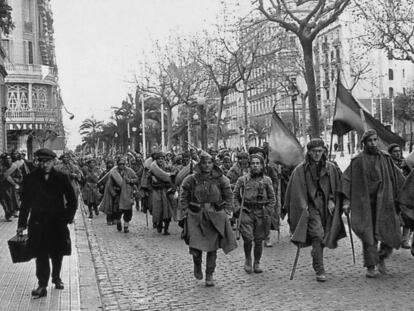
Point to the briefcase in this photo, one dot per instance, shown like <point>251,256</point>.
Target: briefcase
<point>19,249</point>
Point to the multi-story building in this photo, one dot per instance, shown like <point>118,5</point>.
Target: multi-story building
<point>33,116</point>
<point>273,83</point>
<point>372,76</point>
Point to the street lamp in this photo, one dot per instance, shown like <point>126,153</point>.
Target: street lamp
<point>134,131</point>
<point>195,119</point>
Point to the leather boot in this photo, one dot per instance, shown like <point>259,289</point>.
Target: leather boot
<point>119,225</point>
<point>210,267</point>
<point>166,226</point>
<point>258,250</point>
<point>126,227</point>
<point>96,210</point>
<point>248,256</point>
<point>198,273</point>
<point>39,292</point>
<point>209,280</point>
<point>90,212</point>
<point>58,283</point>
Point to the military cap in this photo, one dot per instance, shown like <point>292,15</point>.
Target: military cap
<point>367,134</point>
<point>392,147</point>
<point>158,155</point>
<point>45,154</point>
<point>314,143</point>
<point>242,155</point>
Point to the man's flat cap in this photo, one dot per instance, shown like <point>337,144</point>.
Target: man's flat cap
<point>45,154</point>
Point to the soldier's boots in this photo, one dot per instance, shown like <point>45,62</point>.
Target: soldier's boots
<point>126,227</point>
<point>248,264</point>
<point>198,273</point>
<point>209,280</point>
<point>96,210</point>
<point>210,267</point>
<point>256,267</point>
<point>247,245</point>
<point>258,250</point>
<point>382,268</point>
<point>371,273</point>
<point>166,226</point>
<point>90,212</point>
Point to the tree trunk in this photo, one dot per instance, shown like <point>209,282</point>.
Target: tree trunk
<point>310,82</point>
<point>246,116</point>
<point>219,112</point>
<point>169,127</point>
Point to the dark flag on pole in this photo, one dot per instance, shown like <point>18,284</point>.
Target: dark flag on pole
<point>284,148</point>
<point>348,117</point>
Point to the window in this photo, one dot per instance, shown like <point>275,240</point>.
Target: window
<point>17,97</point>
<point>390,74</point>
<point>390,92</point>
<point>28,52</point>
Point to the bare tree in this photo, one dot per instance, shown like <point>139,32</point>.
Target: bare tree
<point>389,25</point>
<point>250,49</point>
<point>220,68</point>
<point>305,18</point>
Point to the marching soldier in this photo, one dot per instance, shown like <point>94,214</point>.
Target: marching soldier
<point>206,199</point>
<point>315,188</point>
<point>253,200</point>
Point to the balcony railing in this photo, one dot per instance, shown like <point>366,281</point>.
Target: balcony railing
<point>42,115</point>
<point>29,69</point>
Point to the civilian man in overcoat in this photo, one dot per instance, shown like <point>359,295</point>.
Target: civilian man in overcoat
<point>43,197</point>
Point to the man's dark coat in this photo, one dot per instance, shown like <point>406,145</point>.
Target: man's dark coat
<point>44,200</point>
<point>387,226</point>
<point>297,202</point>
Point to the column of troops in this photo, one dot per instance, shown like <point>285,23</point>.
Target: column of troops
<point>218,197</point>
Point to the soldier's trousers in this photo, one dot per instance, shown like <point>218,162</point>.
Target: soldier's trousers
<point>372,255</point>
<point>210,260</point>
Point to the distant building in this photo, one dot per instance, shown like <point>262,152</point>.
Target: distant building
<point>273,83</point>
<point>33,116</point>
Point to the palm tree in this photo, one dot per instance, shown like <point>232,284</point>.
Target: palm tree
<point>89,129</point>
<point>259,130</point>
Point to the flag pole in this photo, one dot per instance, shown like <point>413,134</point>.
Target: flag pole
<point>336,101</point>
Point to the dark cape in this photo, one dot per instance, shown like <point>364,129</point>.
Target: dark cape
<point>297,202</point>
<point>387,226</point>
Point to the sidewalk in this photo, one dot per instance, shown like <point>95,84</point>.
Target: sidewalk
<point>18,280</point>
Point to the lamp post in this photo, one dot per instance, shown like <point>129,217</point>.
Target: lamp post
<point>195,119</point>
<point>134,131</point>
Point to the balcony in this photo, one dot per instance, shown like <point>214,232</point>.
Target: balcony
<point>30,116</point>
<point>28,73</point>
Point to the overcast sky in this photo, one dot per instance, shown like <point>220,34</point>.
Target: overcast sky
<point>99,44</point>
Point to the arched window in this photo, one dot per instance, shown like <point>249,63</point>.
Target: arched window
<point>390,74</point>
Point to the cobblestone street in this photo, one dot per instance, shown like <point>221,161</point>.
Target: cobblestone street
<point>144,270</point>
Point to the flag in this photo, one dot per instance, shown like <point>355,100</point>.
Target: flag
<point>348,117</point>
<point>284,148</point>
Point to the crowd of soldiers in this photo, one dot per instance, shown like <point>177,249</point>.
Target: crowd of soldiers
<point>218,197</point>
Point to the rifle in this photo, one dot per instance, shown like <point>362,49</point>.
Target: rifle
<point>350,236</point>
<point>295,263</point>
<point>241,211</point>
